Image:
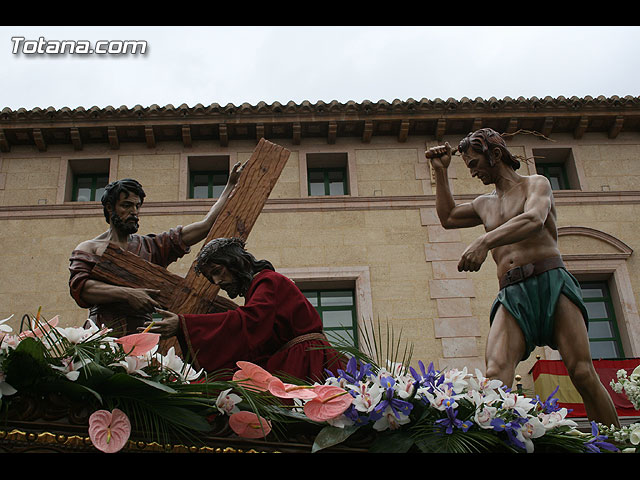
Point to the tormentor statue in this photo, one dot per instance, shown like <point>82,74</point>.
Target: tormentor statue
<point>539,302</point>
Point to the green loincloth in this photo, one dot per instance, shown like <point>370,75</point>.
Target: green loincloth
<point>532,303</point>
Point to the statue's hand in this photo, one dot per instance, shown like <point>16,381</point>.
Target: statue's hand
<point>167,327</point>
<point>141,299</point>
<point>473,257</point>
<point>235,173</point>
<point>440,156</point>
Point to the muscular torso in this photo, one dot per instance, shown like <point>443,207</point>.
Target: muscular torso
<point>495,211</point>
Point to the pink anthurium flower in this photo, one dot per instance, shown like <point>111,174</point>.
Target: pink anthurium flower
<point>251,376</point>
<point>138,344</point>
<point>109,431</point>
<point>249,425</point>
<point>287,390</point>
<point>41,328</point>
<point>330,402</point>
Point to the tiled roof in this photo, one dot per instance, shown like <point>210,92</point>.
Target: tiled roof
<point>424,106</point>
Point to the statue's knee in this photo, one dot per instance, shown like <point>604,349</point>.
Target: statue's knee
<point>582,374</point>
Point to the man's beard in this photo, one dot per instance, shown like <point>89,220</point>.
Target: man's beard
<point>127,227</point>
<point>234,289</point>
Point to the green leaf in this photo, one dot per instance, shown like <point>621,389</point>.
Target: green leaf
<point>330,436</point>
<point>397,442</point>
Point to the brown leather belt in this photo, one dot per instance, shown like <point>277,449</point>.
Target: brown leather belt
<point>518,274</point>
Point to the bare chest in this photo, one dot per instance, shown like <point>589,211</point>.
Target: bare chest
<point>496,211</point>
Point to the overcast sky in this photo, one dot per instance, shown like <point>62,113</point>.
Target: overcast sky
<point>209,64</point>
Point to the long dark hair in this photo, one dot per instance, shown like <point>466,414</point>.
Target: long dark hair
<point>483,141</point>
<point>230,253</point>
<point>112,193</point>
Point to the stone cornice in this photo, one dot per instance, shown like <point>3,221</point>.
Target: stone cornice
<point>309,204</point>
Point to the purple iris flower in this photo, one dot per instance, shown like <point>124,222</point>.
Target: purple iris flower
<point>397,406</point>
<point>596,443</point>
<point>426,378</point>
<point>351,374</point>
<point>452,422</point>
<point>512,428</point>
<point>550,404</point>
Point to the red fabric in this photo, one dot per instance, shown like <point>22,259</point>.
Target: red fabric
<point>606,370</point>
<point>275,312</point>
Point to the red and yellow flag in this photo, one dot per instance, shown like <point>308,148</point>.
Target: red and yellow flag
<point>549,374</point>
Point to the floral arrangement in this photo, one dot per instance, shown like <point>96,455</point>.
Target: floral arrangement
<point>131,387</point>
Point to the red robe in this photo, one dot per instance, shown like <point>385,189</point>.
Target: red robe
<point>277,329</point>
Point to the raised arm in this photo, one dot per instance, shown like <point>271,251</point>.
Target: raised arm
<point>198,231</point>
<point>450,214</point>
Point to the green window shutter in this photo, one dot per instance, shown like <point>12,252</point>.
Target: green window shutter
<point>338,312</point>
<point>604,336</point>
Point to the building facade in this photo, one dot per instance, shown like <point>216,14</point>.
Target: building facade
<point>352,217</point>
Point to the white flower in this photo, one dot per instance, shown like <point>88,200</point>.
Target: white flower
<point>70,368</point>
<point>5,388</point>
<point>390,421</point>
<point>368,396</point>
<point>530,430</point>
<point>134,365</point>
<point>634,435</point>
<point>340,422</point>
<point>6,328</point>
<point>482,383</point>
<point>556,419</point>
<point>443,397</point>
<point>226,402</point>
<point>520,404</point>
<point>173,362</point>
<point>484,415</point>
<point>457,379</point>
<point>9,341</point>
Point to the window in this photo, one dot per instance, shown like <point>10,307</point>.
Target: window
<point>327,181</point>
<point>208,175</point>
<point>556,174</point>
<point>338,312</point>
<point>89,187</point>
<point>207,184</point>
<point>327,174</point>
<point>84,179</point>
<point>604,337</point>
<point>559,166</point>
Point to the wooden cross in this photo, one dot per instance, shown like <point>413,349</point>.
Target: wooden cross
<point>194,293</point>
